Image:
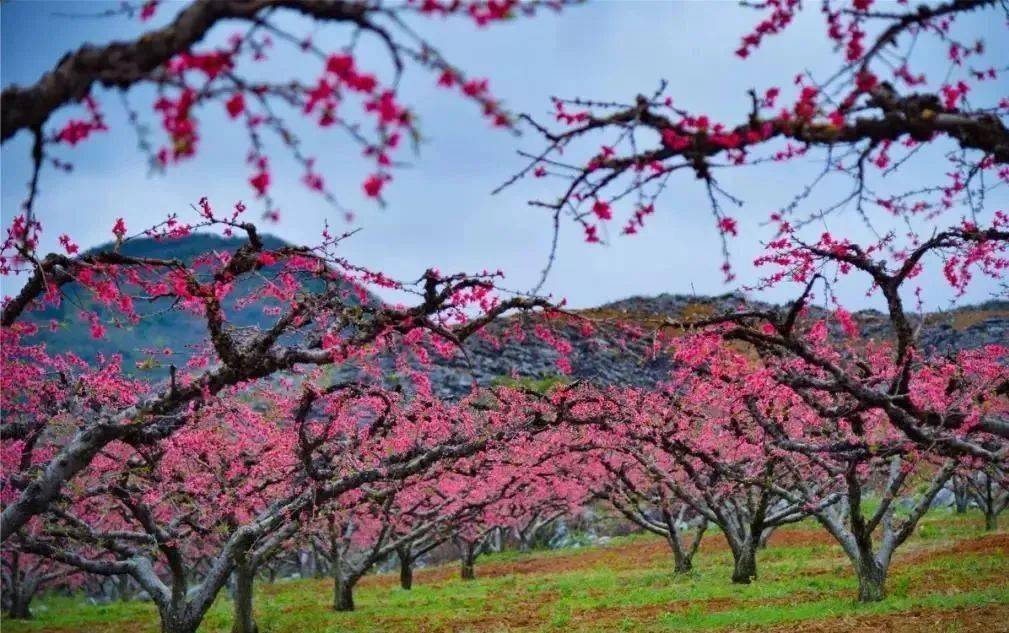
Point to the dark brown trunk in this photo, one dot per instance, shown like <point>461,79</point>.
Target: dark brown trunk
<point>744,568</point>
<point>405,572</point>
<point>990,521</point>
<point>19,595</point>
<point>176,623</point>
<point>466,571</point>
<point>682,564</point>
<point>681,561</point>
<point>343,595</point>
<point>467,559</point>
<point>990,517</point>
<point>871,578</point>
<point>20,606</point>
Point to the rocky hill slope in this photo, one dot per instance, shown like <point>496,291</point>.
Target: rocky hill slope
<point>603,357</point>
<point>597,359</point>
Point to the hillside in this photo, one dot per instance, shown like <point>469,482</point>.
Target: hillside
<point>599,358</point>
<point>159,327</point>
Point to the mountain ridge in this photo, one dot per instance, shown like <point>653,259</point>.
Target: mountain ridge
<point>598,357</point>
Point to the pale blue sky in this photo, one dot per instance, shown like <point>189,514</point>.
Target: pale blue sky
<point>440,210</point>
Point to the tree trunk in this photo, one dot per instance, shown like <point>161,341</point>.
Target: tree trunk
<point>871,577</point>
<point>343,585</point>
<point>20,597</point>
<point>467,559</point>
<point>467,572</point>
<point>343,594</point>
<point>405,572</point>
<point>990,517</point>
<point>322,562</point>
<point>745,563</point>
<point>681,564</point>
<point>20,606</point>
<point>177,623</point>
<point>681,561</point>
<point>123,588</point>
<point>245,621</point>
<point>304,564</point>
<point>960,497</point>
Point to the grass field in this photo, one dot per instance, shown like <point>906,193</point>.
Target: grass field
<point>949,577</point>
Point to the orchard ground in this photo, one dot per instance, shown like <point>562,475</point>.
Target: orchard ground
<point>951,576</point>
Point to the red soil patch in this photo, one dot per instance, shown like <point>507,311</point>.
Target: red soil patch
<point>993,545</point>
<point>118,627</point>
<point>800,538</point>
<point>651,612</point>
<point>525,616</point>
<point>987,544</point>
<point>989,618</point>
<point>655,553</point>
<point>636,555</point>
<point>631,556</point>
<point>534,608</point>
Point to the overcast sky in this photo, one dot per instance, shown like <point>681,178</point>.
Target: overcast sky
<point>440,212</point>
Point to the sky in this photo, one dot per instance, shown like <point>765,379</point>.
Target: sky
<point>440,210</point>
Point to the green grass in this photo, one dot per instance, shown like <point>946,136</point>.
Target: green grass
<point>626,585</point>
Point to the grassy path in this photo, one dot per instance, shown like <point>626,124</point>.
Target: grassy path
<point>948,577</point>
